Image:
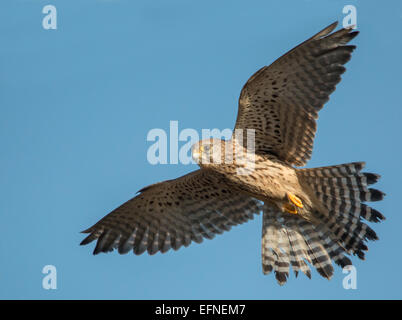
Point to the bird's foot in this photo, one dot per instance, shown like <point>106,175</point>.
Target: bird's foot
<point>289,208</point>
<point>294,203</point>
<point>295,200</point>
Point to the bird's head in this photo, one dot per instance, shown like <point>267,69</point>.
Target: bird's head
<point>223,156</point>
<point>217,153</point>
<point>209,152</point>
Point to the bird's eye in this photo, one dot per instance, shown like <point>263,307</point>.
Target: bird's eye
<point>206,148</point>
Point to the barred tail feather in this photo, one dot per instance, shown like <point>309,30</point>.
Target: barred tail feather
<point>289,240</point>
<point>273,257</point>
<point>342,189</point>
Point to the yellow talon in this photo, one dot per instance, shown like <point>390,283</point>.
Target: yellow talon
<point>289,208</point>
<point>293,204</point>
<point>295,200</point>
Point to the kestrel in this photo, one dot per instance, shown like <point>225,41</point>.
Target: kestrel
<point>310,216</point>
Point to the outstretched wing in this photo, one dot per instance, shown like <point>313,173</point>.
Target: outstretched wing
<point>171,214</point>
<point>281,101</point>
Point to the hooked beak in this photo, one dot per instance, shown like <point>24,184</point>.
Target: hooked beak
<point>197,153</point>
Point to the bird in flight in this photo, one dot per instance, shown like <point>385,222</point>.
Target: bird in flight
<point>311,217</point>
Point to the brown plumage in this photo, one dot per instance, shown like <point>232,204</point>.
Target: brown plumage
<point>309,215</point>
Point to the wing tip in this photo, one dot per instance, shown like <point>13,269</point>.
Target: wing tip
<point>326,31</point>
<point>89,230</point>
<point>86,241</point>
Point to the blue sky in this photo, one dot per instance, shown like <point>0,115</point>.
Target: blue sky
<point>76,105</point>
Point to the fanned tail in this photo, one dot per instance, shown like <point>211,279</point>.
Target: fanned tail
<point>289,240</point>
<point>343,189</point>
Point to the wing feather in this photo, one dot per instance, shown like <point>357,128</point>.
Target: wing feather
<point>281,101</point>
<point>172,214</point>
